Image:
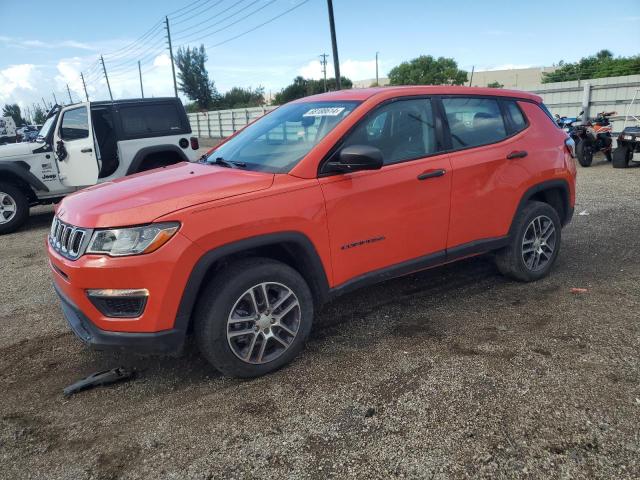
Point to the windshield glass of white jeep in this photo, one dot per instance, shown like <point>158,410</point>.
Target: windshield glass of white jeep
<point>48,124</point>
<point>279,140</point>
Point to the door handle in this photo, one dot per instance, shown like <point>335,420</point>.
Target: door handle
<point>431,174</point>
<point>517,154</point>
<point>87,150</point>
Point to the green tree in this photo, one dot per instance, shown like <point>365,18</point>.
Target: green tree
<point>239,97</point>
<point>302,87</point>
<point>13,110</point>
<point>495,84</point>
<point>602,64</point>
<point>193,77</point>
<point>426,70</point>
<point>39,115</point>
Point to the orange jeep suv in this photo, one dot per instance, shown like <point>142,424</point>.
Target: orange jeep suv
<point>321,196</point>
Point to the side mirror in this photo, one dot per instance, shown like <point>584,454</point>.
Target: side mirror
<point>355,158</point>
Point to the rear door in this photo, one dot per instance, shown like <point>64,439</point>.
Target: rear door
<point>491,160</point>
<point>381,218</point>
<point>74,147</point>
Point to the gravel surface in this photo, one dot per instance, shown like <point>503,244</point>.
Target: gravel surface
<point>454,372</point>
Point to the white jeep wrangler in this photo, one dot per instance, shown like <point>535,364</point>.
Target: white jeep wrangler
<point>88,143</point>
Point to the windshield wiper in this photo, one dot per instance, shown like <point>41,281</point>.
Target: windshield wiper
<point>228,163</point>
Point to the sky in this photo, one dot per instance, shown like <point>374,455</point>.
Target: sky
<point>45,45</point>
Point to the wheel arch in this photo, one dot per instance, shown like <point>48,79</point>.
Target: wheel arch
<point>553,192</point>
<point>17,173</point>
<point>144,153</point>
<point>292,248</point>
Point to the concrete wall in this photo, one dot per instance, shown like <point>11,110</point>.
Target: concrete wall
<point>607,94</point>
<point>514,78</point>
<point>563,98</point>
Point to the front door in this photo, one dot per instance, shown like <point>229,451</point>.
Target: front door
<point>74,147</point>
<point>385,217</point>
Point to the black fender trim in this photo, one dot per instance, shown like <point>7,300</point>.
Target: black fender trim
<point>143,152</point>
<point>21,170</point>
<point>312,264</point>
<point>540,187</point>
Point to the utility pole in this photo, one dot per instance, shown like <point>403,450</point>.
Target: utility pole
<point>473,67</point>
<point>334,45</point>
<point>55,100</point>
<point>46,108</point>
<point>69,92</point>
<point>104,69</point>
<point>173,66</point>
<point>140,73</point>
<point>377,80</point>
<point>323,62</point>
<point>84,85</point>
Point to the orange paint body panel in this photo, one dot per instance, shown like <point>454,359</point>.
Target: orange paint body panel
<point>355,223</point>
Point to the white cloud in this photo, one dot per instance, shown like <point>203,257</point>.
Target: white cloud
<point>16,80</point>
<point>19,42</point>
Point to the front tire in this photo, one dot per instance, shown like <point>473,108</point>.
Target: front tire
<point>534,244</point>
<point>584,152</point>
<point>14,208</point>
<point>254,317</point>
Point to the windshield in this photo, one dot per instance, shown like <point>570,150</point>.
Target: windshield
<point>279,140</point>
<point>46,128</point>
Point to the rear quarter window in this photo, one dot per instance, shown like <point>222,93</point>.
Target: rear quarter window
<point>151,120</point>
<point>517,120</point>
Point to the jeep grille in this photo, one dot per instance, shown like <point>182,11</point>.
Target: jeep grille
<point>67,240</point>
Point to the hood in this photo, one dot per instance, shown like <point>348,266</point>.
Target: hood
<point>18,149</point>
<point>143,197</point>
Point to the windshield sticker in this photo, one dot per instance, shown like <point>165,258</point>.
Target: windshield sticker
<point>324,112</point>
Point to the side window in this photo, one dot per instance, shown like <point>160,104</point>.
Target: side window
<point>75,124</point>
<point>518,121</point>
<point>474,121</point>
<point>402,130</point>
<point>155,119</point>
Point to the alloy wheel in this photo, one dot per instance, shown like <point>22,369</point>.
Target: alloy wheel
<point>538,243</point>
<point>8,208</point>
<point>263,323</point>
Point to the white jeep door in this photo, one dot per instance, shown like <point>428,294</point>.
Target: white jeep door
<point>74,147</point>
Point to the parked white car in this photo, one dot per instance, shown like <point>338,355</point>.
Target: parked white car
<point>88,143</point>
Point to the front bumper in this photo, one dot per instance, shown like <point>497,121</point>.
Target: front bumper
<point>165,342</point>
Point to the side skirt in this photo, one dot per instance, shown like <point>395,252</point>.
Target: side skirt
<point>417,264</point>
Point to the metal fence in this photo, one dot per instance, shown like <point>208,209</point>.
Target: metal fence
<point>563,98</point>
<point>222,123</point>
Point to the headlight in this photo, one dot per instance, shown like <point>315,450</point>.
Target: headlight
<point>119,242</point>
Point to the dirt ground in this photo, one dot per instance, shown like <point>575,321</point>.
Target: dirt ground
<point>450,373</point>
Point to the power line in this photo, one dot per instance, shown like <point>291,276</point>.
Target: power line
<point>237,21</point>
<point>196,13</point>
<point>272,19</point>
<point>153,28</point>
<point>139,47</point>
<point>191,27</point>
<point>186,13</point>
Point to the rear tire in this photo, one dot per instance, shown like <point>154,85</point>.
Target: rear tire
<point>584,152</point>
<point>14,208</point>
<point>233,345</point>
<point>534,243</point>
<point>622,156</point>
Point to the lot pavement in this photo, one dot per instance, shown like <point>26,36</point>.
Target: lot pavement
<point>450,373</point>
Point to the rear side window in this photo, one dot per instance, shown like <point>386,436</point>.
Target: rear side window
<point>150,120</point>
<point>75,124</point>
<point>474,121</point>
<point>518,122</point>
